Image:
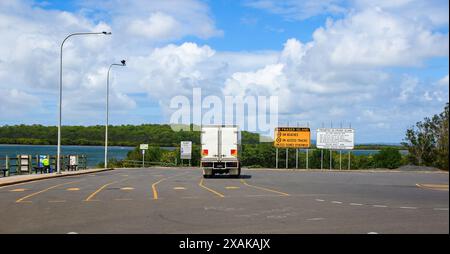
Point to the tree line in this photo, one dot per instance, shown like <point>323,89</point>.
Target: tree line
<point>120,135</point>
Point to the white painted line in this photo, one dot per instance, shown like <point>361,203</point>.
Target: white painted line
<point>127,188</point>
<point>72,233</point>
<point>18,190</point>
<point>314,219</point>
<point>440,209</point>
<point>336,202</point>
<point>179,188</point>
<point>379,206</point>
<point>320,200</point>
<point>372,233</point>
<point>408,207</point>
<point>356,204</point>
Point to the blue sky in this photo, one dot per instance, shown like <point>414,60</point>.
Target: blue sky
<point>381,65</point>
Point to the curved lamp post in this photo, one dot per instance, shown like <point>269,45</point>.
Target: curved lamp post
<point>58,163</point>
<point>122,63</point>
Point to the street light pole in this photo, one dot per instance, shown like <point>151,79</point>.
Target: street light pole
<point>58,163</point>
<point>122,63</point>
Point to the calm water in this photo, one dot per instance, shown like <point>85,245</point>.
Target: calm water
<point>95,154</point>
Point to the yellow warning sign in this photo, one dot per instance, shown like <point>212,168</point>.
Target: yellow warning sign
<point>292,137</point>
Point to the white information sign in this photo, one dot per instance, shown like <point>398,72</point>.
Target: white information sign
<point>186,150</point>
<point>335,138</point>
<point>143,146</point>
<point>73,160</point>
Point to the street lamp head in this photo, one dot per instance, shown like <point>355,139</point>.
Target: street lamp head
<point>123,62</point>
<point>107,33</point>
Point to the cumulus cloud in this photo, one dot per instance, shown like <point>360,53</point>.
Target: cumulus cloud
<point>158,25</point>
<point>29,51</point>
<point>377,38</point>
<point>341,74</point>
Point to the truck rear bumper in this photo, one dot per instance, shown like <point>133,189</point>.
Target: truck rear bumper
<point>220,165</point>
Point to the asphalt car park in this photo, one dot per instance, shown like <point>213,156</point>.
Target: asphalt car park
<point>180,200</point>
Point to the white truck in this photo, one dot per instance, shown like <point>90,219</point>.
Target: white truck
<point>221,145</point>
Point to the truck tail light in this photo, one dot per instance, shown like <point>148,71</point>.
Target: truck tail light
<point>233,152</point>
<point>204,152</point>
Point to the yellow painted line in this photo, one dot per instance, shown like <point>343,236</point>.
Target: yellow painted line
<point>18,190</point>
<point>231,187</point>
<point>263,188</point>
<point>211,190</point>
<point>72,189</point>
<point>127,188</point>
<point>44,190</point>
<point>155,192</point>
<point>100,189</point>
<point>179,188</point>
<point>442,187</point>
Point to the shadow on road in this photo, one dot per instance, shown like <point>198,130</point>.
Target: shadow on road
<point>231,177</point>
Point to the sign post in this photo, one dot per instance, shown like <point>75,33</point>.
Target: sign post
<point>186,151</point>
<point>143,147</point>
<point>349,160</point>
<point>331,158</point>
<point>276,159</point>
<point>321,159</point>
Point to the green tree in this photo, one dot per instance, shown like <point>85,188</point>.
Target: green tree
<point>427,142</point>
<point>388,158</point>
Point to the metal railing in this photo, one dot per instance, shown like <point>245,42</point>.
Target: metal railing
<point>28,164</point>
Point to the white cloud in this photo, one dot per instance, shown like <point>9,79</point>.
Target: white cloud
<point>377,38</point>
<point>340,75</point>
<point>31,38</point>
<point>16,103</point>
<point>408,87</point>
<point>158,25</point>
<point>444,81</point>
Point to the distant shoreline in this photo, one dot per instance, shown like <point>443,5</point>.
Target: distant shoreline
<point>64,145</point>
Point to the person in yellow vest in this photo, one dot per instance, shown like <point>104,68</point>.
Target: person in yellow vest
<point>46,164</point>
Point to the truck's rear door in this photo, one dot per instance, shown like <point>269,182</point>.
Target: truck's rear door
<point>229,142</point>
<point>210,143</point>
